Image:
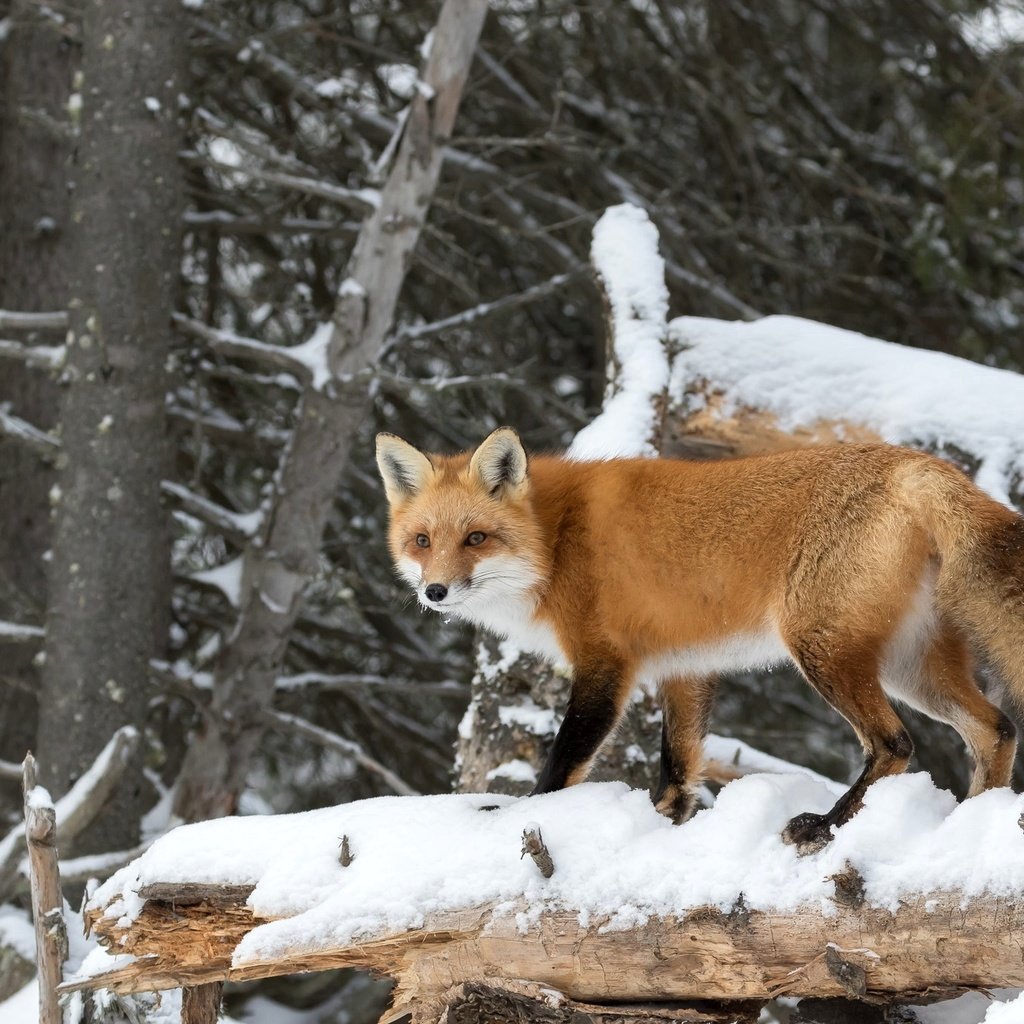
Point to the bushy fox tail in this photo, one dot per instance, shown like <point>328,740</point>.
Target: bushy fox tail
<point>980,585</point>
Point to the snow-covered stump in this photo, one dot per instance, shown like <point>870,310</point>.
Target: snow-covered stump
<point>517,699</point>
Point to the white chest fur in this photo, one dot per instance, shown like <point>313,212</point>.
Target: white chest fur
<point>511,618</point>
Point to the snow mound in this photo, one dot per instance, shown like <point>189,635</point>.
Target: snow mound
<point>616,859</point>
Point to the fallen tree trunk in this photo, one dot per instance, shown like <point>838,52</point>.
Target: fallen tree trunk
<point>932,946</point>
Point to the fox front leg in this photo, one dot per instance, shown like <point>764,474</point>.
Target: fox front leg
<point>596,701</point>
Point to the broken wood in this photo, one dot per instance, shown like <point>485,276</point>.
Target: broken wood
<point>533,844</point>
<point>934,945</point>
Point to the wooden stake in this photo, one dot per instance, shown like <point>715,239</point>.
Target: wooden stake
<point>47,902</point>
<point>199,1005</point>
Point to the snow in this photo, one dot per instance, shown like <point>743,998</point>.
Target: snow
<point>625,254</point>
<point>1006,1013</point>
<point>805,372</point>
<point>16,931</point>
<point>531,717</point>
<point>16,631</point>
<point>227,578</point>
<point>616,859</point>
<point>313,354</point>
<point>22,1007</point>
<point>516,770</point>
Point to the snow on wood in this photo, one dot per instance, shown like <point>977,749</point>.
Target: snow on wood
<point>631,275</point>
<point>782,380</point>
<point>437,889</point>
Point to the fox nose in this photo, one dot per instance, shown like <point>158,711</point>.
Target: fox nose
<point>436,592</point>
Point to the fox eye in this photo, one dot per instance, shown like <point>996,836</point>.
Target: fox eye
<point>422,540</point>
<point>476,537</point>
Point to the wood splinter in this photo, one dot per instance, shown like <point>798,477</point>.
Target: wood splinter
<point>533,844</point>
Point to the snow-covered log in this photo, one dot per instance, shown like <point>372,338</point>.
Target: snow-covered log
<point>628,909</point>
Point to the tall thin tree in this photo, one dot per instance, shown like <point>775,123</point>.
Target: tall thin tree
<point>110,577</point>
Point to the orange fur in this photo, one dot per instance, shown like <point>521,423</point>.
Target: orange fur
<point>871,566</point>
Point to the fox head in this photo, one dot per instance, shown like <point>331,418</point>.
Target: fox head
<point>462,530</point>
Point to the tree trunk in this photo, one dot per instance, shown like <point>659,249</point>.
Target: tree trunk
<point>36,64</point>
<point>110,574</point>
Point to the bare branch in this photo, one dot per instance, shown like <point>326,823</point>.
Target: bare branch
<point>409,332</point>
<point>43,444</point>
<point>44,357</point>
<point>235,346</point>
<point>237,526</point>
<point>13,321</point>
<point>16,633</point>
<point>332,741</point>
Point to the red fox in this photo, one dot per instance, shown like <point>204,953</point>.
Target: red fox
<point>877,570</point>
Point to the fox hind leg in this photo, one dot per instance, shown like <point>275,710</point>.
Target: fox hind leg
<point>686,711</point>
<point>946,690</point>
<point>846,674</point>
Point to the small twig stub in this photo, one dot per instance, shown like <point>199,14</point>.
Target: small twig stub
<point>533,844</point>
<point>345,853</point>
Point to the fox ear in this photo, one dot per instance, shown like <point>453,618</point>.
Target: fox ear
<point>500,463</point>
<point>404,469</point>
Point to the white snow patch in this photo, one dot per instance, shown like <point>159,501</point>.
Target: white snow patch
<point>152,104</point>
<point>313,353</point>
<point>530,716</point>
<point>748,758</point>
<point>227,578</point>
<point>1006,1013</point>
<point>625,254</point>
<point>331,88</point>
<point>516,770</point>
<point>805,372</point>
<point>16,931</point>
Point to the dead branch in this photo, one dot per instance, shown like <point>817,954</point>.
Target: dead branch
<point>13,321</point>
<point>236,526</point>
<point>42,357</point>
<point>47,900</point>
<point>18,633</point>
<point>331,740</point>
<point>45,445</point>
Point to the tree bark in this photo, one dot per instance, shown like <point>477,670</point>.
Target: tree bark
<point>36,64</point>
<point>110,573</point>
<point>281,562</point>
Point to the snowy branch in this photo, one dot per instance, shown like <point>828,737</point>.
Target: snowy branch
<point>16,633</point>
<point>332,741</point>
<point>237,526</point>
<point>45,445</point>
<point>43,357</point>
<point>14,321</point>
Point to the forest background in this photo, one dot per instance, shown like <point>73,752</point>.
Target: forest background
<point>181,188</point>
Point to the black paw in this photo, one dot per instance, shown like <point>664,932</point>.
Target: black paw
<point>675,803</point>
<point>809,833</point>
